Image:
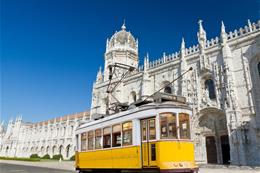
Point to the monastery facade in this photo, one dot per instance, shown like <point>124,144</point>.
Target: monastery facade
<point>223,89</point>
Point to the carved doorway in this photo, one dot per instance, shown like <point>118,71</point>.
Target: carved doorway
<point>213,126</point>
<point>225,149</point>
<point>211,149</point>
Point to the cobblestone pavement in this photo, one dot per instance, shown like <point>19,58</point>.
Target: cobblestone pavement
<point>11,168</point>
<point>64,165</point>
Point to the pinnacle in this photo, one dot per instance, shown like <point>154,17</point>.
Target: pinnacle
<point>123,27</point>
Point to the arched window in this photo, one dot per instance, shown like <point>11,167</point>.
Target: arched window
<point>47,150</point>
<point>168,90</point>
<point>60,149</point>
<point>54,150</point>
<point>132,97</point>
<point>167,87</point>
<point>71,130</point>
<point>64,131</point>
<point>258,66</point>
<point>68,151</point>
<point>209,85</point>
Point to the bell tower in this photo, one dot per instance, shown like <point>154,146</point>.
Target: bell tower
<point>121,48</point>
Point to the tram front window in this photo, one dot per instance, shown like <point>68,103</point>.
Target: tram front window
<point>168,126</point>
<point>98,144</point>
<point>83,141</point>
<point>184,126</point>
<point>107,137</point>
<point>90,140</point>
<point>116,138</point>
<point>127,133</point>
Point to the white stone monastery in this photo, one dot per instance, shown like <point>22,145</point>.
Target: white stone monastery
<point>223,90</point>
<point>55,136</point>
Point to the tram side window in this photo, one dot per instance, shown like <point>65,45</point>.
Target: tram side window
<point>83,141</point>
<point>127,133</point>
<point>116,137</point>
<point>98,144</point>
<point>90,140</point>
<point>144,132</point>
<point>168,126</point>
<point>107,137</point>
<point>184,125</point>
<point>152,131</point>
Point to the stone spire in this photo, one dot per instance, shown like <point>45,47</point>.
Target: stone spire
<point>183,63</point>
<point>99,76</point>
<point>107,44</point>
<point>146,81</point>
<point>204,63</point>
<point>123,27</point>
<point>182,48</point>
<point>223,34</point>
<point>223,28</point>
<point>249,25</point>
<point>146,62</point>
<point>183,67</point>
<point>202,38</point>
<point>228,63</point>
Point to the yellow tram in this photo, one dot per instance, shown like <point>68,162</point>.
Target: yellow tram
<point>153,136</point>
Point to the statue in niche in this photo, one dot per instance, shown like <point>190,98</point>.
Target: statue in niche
<point>189,85</point>
<point>207,94</point>
<point>197,139</point>
<point>205,99</point>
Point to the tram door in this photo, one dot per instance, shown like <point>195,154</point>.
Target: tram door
<point>148,142</point>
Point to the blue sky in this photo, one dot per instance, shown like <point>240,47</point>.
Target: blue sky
<point>51,49</point>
